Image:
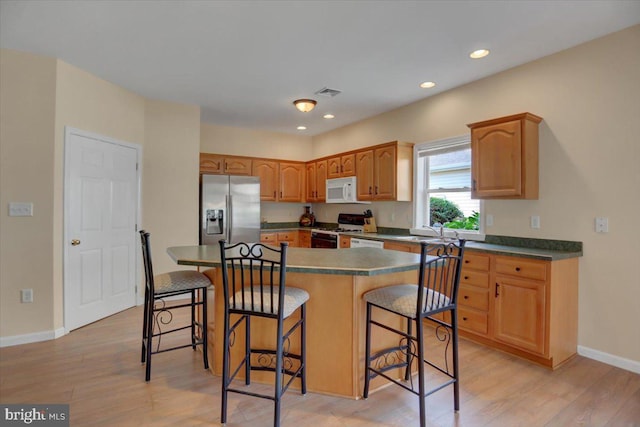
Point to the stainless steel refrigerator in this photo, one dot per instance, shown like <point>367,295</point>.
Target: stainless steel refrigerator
<point>229,209</point>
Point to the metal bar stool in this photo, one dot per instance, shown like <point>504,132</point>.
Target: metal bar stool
<point>435,293</point>
<point>157,314</point>
<point>253,276</point>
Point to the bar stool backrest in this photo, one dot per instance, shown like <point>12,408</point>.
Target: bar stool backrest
<point>148,266</point>
<point>439,276</point>
<point>254,278</point>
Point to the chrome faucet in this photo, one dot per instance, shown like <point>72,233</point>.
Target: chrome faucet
<point>440,231</point>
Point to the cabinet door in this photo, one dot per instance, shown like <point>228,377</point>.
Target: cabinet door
<point>364,174</point>
<point>312,184</point>
<point>496,160</point>
<point>520,313</point>
<point>212,164</point>
<point>321,181</point>
<point>385,173</point>
<point>267,171</point>
<point>348,165</point>
<point>237,166</point>
<point>291,182</point>
<point>304,238</point>
<point>333,167</point>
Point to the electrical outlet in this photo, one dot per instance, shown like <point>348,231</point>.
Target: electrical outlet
<point>535,221</point>
<point>602,225</point>
<point>489,220</point>
<point>26,295</point>
<point>20,209</point>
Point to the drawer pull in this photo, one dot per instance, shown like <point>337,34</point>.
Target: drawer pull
<point>466,261</point>
<point>466,297</point>
<point>517,268</point>
<point>497,289</point>
<point>466,277</point>
<point>465,319</point>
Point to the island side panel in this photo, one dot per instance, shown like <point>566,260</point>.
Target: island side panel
<point>335,330</point>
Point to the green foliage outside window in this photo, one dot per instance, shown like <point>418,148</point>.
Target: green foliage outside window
<point>445,212</point>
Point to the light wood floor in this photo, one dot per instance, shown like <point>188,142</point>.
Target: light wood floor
<point>96,370</point>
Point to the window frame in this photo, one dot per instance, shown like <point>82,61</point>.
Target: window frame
<point>419,194</point>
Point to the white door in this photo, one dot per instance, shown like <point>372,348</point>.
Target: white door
<point>101,204</point>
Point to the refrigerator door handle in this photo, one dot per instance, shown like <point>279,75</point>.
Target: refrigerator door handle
<point>229,217</point>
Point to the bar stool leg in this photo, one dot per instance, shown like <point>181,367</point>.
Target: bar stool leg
<point>421,384</point>
<point>225,370</point>
<point>303,347</point>
<point>203,329</point>
<point>367,353</point>
<point>278,379</point>
<point>456,372</point>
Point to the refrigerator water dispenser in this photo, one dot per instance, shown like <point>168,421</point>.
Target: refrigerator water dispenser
<point>214,221</point>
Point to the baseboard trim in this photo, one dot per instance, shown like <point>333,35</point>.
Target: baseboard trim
<point>610,359</point>
<point>31,338</point>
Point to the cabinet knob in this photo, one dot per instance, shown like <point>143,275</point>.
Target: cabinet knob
<point>466,261</point>
<point>466,297</point>
<point>466,277</point>
<point>464,318</point>
<point>369,189</point>
<point>517,268</point>
<point>497,289</point>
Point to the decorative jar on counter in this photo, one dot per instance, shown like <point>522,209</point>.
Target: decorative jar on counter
<point>307,219</point>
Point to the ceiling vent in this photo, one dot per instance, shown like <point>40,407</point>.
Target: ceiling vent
<point>325,91</point>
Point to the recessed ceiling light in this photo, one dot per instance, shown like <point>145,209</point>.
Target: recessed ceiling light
<point>302,128</point>
<point>329,116</point>
<point>480,53</point>
<point>427,85</point>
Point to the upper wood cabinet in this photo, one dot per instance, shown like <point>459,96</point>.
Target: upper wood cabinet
<point>224,165</point>
<point>385,172</point>
<point>316,181</point>
<point>339,166</point>
<point>292,188</point>
<point>504,154</point>
<point>268,172</point>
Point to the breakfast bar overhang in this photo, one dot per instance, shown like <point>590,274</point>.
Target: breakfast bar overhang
<point>336,281</point>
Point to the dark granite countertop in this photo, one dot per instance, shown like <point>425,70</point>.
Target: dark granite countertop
<point>544,249</point>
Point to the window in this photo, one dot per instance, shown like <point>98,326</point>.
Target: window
<point>443,188</point>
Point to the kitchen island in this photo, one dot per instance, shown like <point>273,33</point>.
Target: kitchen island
<point>336,281</point>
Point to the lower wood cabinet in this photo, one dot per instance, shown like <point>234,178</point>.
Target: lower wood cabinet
<point>403,247</point>
<point>524,306</point>
<point>304,238</point>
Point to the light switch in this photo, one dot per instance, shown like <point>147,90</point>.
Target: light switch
<point>602,224</point>
<point>535,221</point>
<point>20,209</point>
<point>489,220</point>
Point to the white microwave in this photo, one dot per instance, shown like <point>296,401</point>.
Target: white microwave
<point>342,190</point>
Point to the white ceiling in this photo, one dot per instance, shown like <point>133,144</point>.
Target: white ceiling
<point>244,62</point>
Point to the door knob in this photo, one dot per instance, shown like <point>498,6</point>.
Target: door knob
<point>75,242</point>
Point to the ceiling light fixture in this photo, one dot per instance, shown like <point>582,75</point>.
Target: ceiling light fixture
<point>329,116</point>
<point>480,53</point>
<point>427,85</point>
<point>302,128</point>
<point>305,105</point>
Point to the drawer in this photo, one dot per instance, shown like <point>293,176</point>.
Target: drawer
<point>472,320</point>
<point>268,237</point>
<point>474,278</point>
<point>287,236</point>
<point>520,267</point>
<point>473,297</point>
<point>475,261</point>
